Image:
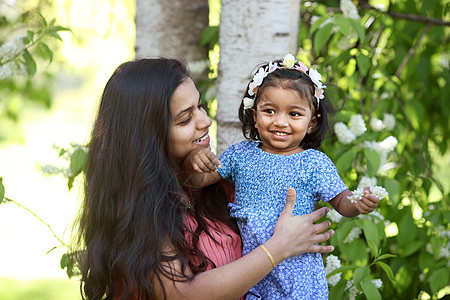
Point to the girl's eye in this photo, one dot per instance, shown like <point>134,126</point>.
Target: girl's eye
<point>270,111</point>
<point>294,114</point>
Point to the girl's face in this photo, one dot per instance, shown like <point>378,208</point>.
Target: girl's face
<point>282,119</point>
<point>190,123</point>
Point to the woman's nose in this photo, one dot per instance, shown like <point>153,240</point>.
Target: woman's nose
<point>204,121</point>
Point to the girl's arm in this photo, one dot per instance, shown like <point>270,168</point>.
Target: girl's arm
<point>293,235</point>
<point>200,168</point>
<point>366,205</point>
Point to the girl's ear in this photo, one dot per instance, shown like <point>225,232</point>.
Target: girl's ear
<point>254,117</point>
<point>313,123</point>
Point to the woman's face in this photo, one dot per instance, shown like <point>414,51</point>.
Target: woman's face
<point>190,123</point>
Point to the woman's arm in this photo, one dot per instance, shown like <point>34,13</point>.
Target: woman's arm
<point>366,205</point>
<point>293,235</point>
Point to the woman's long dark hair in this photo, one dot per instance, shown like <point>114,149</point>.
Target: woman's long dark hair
<point>132,202</point>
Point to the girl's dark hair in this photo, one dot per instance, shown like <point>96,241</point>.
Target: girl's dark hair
<point>132,204</point>
<point>303,85</point>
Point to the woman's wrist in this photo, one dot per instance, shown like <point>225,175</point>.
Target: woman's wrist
<point>278,253</point>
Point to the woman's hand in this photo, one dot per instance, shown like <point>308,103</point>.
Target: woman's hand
<point>295,235</point>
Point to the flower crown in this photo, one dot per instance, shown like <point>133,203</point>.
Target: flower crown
<point>289,62</point>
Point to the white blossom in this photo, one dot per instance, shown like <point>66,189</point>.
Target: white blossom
<point>367,182</point>
<point>259,76</point>
<point>353,291</point>
<point>197,67</point>
<point>378,191</point>
<point>389,121</point>
<point>314,19</point>
<point>349,9</point>
<point>376,124</point>
<point>6,71</point>
<point>377,283</point>
<point>356,195</point>
<point>316,78</point>
<point>332,263</point>
<point>375,216</point>
<point>443,232</point>
<point>248,102</point>
<point>10,49</point>
<point>388,144</point>
<point>334,216</point>
<point>344,135</point>
<point>353,234</point>
<point>357,125</point>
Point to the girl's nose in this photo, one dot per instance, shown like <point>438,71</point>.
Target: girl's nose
<point>280,121</point>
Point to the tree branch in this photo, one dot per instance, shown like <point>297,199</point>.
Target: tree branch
<point>411,17</point>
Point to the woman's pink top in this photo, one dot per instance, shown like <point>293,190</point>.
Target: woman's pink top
<point>228,248</point>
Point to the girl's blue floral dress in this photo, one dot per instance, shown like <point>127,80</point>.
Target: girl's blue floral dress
<point>261,180</point>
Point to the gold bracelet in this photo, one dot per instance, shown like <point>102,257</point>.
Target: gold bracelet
<point>269,256</point>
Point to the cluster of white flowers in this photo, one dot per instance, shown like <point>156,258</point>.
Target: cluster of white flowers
<point>378,191</point>
<point>375,216</point>
<point>442,231</point>
<point>367,181</point>
<point>388,123</point>
<point>353,291</point>
<point>11,69</point>
<point>353,234</point>
<point>49,169</point>
<point>334,216</point>
<point>357,125</point>
<point>383,148</point>
<point>347,134</point>
<point>344,135</point>
<point>444,252</point>
<point>332,263</point>
<point>349,9</point>
<point>10,50</point>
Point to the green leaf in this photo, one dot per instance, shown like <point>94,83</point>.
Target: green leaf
<point>338,290</point>
<point>360,274</point>
<point>345,161</point>
<point>435,246</point>
<point>360,30</point>
<point>371,233</point>
<point>412,248</point>
<point>439,280</point>
<point>341,269</point>
<point>384,256</point>
<point>77,161</point>
<point>30,36</point>
<point>363,63</point>
<point>386,270</point>
<point>44,21</point>
<point>343,24</point>
<point>316,25</point>
<point>65,261</point>
<point>373,248</point>
<point>30,64</point>
<point>2,190</point>
<point>373,161</point>
<point>321,37</point>
<point>392,186</point>
<point>370,290</point>
<point>210,36</point>
<point>45,50</point>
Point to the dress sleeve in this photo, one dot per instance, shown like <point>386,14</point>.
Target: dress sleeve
<point>227,159</point>
<point>328,181</point>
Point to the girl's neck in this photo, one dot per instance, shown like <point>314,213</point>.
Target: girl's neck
<point>280,151</point>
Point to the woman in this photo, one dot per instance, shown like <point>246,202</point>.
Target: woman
<point>146,235</point>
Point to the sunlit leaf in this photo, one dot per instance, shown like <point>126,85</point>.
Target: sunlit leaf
<point>387,270</point>
<point>439,280</point>
<point>370,290</point>
<point>343,24</point>
<point>338,290</point>
<point>360,30</point>
<point>77,161</point>
<point>363,63</point>
<point>2,190</point>
<point>345,161</point>
<point>371,232</point>
<point>360,274</point>
<point>373,161</point>
<point>321,37</point>
<point>30,64</point>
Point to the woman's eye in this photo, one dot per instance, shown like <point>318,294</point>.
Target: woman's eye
<point>202,106</point>
<point>184,122</point>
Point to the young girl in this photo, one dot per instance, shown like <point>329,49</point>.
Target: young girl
<point>284,116</point>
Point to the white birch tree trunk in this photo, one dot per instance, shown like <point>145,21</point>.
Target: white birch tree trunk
<point>251,32</point>
<point>171,28</point>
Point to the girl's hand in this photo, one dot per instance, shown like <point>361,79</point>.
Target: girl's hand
<point>203,160</point>
<point>368,202</point>
<point>295,235</point>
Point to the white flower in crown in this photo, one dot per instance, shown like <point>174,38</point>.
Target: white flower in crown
<point>259,76</point>
<point>272,67</point>
<point>289,61</point>
<point>318,94</point>
<point>252,88</point>
<point>316,78</point>
<point>248,102</point>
